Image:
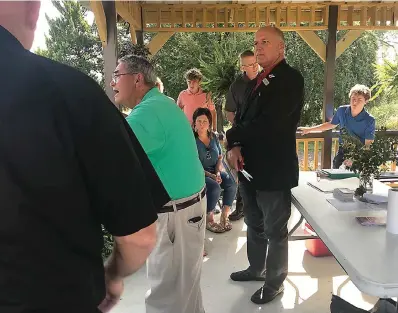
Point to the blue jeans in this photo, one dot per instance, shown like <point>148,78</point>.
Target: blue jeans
<point>214,190</point>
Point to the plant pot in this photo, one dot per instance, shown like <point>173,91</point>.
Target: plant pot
<point>365,184</point>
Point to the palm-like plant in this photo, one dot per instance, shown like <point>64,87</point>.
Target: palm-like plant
<point>387,78</point>
<point>220,69</point>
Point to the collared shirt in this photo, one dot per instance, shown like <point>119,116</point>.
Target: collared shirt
<point>363,126</point>
<point>263,75</point>
<point>68,163</point>
<point>168,140</point>
<point>189,102</point>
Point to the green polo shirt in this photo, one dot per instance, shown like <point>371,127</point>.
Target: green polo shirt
<point>167,138</point>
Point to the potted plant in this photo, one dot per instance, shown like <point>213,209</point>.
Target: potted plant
<point>368,161</point>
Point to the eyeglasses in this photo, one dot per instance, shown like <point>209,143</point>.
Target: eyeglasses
<point>255,64</point>
<point>116,77</point>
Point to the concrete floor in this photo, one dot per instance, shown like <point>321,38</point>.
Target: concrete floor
<point>308,288</point>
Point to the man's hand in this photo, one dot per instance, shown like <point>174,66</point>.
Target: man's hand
<point>347,163</point>
<point>304,130</point>
<point>235,158</point>
<point>114,289</point>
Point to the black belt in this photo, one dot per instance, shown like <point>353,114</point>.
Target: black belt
<point>183,205</point>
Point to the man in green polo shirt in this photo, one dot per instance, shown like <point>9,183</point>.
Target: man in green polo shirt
<point>174,267</point>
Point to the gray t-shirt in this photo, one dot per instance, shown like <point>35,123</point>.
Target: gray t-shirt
<point>236,95</point>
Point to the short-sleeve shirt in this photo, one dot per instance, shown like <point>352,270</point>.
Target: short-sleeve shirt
<point>362,126</point>
<point>167,138</point>
<point>190,102</point>
<point>209,155</point>
<point>68,163</point>
<point>237,94</point>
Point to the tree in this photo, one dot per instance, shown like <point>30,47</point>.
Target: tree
<point>185,50</point>
<point>126,47</point>
<point>354,66</point>
<point>387,77</point>
<point>220,68</point>
<point>72,41</point>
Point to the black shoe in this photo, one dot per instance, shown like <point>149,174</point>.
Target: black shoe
<point>236,215</point>
<point>246,275</point>
<point>266,294</point>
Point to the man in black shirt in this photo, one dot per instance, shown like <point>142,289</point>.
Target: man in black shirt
<point>236,96</point>
<point>68,163</point>
<point>263,141</point>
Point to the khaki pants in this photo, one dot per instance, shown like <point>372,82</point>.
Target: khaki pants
<point>175,265</point>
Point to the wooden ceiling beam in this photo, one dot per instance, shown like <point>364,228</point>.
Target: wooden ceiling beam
<point>158,41</point>
<point>189,16</point>
<point>130,12</point>
<point>100,19</point>
<point>316,43</point>
<point>347,40</point>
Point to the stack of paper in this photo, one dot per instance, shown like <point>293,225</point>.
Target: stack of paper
<point>343,194</point>
<point>328,186</point>
<point>373,198</point>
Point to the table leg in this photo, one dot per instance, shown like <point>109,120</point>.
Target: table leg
<point>297,225</point>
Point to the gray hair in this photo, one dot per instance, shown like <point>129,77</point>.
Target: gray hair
<point>138,64</point>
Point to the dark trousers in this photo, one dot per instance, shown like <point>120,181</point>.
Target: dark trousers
<point>239,200</point>
<point>266,216</point>
<point>338,159</point>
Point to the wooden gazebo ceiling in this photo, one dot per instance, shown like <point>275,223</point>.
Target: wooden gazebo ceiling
<point>209,16</point>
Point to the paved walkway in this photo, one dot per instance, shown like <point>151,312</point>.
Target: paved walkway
<point>308,288</point>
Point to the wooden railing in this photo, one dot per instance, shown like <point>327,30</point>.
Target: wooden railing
<point>310,150</point>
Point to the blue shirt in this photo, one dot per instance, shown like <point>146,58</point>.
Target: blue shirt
<point>362,126</point>
<point>209,155</point>
<point>166,136</point>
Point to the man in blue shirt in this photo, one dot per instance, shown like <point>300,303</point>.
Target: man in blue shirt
<point>353,118</point>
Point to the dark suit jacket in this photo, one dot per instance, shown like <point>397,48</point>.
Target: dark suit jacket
<point>266,129</point>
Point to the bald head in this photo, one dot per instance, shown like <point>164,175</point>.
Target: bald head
<point>269,45</point>
<point>20,19</point>
<point>273,31</point>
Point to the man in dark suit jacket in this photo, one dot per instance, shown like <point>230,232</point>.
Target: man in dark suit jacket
<point>263,140</point>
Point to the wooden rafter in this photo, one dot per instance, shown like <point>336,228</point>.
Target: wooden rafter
<point>158,41</point>
<point>314,42</point>
<point>245,16</point>
<point>133,35</point>
<point>319,47</point>
<point>131,12</point>
<point>347,40</point>
<point>100,20</point>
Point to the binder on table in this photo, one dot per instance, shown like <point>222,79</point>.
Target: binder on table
<point>339,173</point>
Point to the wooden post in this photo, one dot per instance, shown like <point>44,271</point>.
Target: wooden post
<point>140,37</point>
<point>110,49</point>
<point>328,100</point>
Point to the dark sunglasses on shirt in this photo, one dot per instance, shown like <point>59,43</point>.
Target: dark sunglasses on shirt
<point>208,155</point>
